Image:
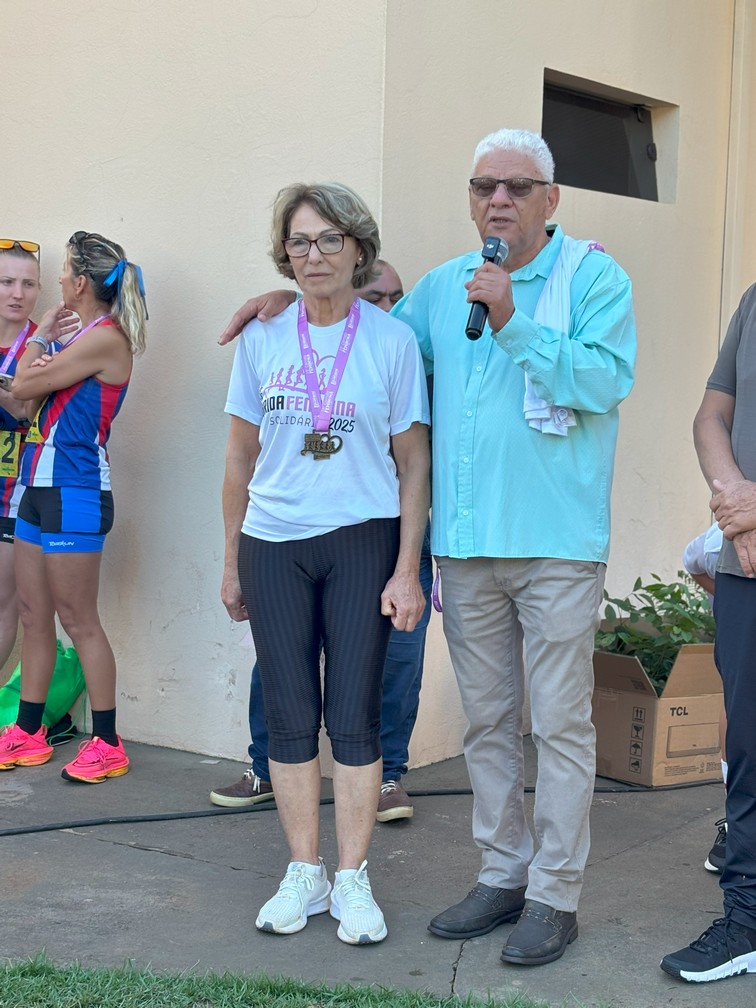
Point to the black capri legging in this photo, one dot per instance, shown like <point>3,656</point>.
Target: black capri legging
<point>324,590</point>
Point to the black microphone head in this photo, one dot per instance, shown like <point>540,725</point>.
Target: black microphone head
<point>495,250</point>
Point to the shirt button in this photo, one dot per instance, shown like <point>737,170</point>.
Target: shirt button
<point>465,513</point>
<point>478,368</point>
<point>466,458</point>
<point>469,412</point>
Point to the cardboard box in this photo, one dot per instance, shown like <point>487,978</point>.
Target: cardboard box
<point>649,740</point>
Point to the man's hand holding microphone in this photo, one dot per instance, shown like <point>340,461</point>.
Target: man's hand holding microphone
<point>490,291</point>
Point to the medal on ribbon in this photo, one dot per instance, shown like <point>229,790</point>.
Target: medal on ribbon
<point>319,442</point>
<point>322,446</point>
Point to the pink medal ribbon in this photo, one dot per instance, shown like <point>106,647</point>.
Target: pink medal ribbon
<point>320,443</point>
<point>15,347</point>
<point>84,330</point>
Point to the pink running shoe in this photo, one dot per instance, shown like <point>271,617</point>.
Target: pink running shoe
<point>97,761</point>
<point>19,748</point>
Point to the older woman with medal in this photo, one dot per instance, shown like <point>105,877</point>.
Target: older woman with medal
<point>325,501</point>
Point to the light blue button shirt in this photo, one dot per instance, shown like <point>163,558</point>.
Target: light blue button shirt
<point>501,488</point>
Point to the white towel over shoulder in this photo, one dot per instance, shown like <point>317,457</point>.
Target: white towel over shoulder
<point>553,310</point>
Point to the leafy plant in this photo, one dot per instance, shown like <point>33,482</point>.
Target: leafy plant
<point>654,621</point>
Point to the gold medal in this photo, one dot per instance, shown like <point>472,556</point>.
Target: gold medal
<point>321,445</point>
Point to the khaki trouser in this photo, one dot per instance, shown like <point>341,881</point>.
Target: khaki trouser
<point>490,606</point>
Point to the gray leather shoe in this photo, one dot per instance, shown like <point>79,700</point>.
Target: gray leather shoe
<point>540,936</point>
<point>483,909</point>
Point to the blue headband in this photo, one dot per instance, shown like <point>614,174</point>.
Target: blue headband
<point>116,277</point>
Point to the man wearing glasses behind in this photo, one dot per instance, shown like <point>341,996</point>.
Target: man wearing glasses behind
<point>524,433</point>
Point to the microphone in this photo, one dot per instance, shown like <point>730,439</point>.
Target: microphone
<point>495,250</point>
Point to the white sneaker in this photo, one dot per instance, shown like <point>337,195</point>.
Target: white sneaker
<point>353,905</point>
<point>304,891</point>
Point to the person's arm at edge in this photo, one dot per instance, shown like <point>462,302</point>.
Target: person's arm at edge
<point>262,307</point>
<point>242,451</point>
<point>703,581</point>
<point>402,599</point>
<point>712,435</point>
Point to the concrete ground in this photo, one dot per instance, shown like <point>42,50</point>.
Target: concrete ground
<point>182,894</point>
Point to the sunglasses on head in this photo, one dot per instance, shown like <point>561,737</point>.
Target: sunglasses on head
<point>78,238</point>
<point>27,246</point>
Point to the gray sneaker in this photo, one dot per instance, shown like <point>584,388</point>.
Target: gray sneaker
<point>250,790</point>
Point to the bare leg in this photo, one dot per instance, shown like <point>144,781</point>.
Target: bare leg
<point>8,603</point>
<point>37,611</point>
<point>297,790</point>
<point>355,791</point>
<point>74,580</point>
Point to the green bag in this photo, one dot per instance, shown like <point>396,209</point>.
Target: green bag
<point>66,686</point>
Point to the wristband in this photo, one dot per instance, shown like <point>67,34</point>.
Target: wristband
<point>41,340</point>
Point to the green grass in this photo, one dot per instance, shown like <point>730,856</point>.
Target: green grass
<point>38,983</point>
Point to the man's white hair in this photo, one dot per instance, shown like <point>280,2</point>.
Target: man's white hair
<point>520,142</point>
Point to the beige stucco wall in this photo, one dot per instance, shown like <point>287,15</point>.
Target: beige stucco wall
<point>170,124</point>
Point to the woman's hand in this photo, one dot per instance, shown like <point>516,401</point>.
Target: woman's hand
<point>231,596</point>
<point>41,361</point>
<point>57,323</point>
<point>402,599</point>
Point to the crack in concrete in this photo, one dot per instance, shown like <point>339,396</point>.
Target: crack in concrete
<point>455,967</point>
<point>681,828</point>
<point>132,845</point>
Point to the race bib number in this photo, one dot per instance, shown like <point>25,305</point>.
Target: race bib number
<point>10,449</point>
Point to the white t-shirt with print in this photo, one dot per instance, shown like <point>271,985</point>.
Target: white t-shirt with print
<point>382,393</point>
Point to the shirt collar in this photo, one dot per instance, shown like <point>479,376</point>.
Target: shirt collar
<point>543,263</point>
<point>540,266</point>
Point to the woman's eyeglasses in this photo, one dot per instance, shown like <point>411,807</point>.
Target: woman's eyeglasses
<point>27,246</point>
<point>328,244</point>
<point>517,188</point>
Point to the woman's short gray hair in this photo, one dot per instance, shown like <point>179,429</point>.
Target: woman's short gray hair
<point>340,206</point>
<point>532,145</point>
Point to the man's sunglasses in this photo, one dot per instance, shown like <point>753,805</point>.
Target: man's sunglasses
<point>518,188</point>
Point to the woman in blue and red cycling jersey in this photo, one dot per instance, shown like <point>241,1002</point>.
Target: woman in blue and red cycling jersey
<point>67,506</point>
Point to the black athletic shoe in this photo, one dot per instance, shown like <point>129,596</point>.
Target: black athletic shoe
<point>724,950</point>
<point>716,859</point>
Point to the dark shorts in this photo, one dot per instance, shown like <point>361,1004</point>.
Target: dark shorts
<point>65,519</point>
<point>324,590</point>
<point>7,530</point>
